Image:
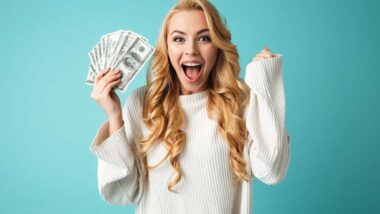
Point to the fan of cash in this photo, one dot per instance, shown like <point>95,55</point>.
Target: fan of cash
<point>124,50</point>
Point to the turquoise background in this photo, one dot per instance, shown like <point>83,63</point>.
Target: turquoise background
<point>331,72</point>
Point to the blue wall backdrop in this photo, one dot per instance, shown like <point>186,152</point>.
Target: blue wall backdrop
<point>331,54</point>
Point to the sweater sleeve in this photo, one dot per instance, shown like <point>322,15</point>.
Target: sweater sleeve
<point>119,169</point>
<point>269,148</point>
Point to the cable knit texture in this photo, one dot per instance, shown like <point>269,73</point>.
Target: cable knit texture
<point>207,182</point>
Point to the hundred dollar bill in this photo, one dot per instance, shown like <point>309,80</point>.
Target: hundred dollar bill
<point>92,57</point>
<point>136,35</point>
<point>111,41</point>
<point>132,61</point>
<point>129,40</point>
<point>90,75</point>
<point>126,40</point>
<point>103,47</point>
<point>122,46</point>
<point>131,33</point>
<point>95,54</point>
<point>98,53</point>
<point>102,53</point>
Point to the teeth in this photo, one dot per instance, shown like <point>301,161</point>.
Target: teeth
<point>192,64</point>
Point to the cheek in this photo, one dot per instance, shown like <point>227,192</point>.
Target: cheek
<point>210,55</point>
<point>174,52</point>
<point>174,55</point>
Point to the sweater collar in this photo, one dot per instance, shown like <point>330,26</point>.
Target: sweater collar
<point>192,99</point>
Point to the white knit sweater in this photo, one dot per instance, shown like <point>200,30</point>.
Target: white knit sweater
<point>206,185</point>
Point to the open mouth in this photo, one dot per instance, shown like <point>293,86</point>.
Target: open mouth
<point>192,70</point>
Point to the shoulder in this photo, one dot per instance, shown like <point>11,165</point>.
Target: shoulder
<point>137,95</point>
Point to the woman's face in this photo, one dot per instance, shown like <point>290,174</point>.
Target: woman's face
<point>191,51</point>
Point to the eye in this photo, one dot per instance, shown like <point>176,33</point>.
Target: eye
<point>178,39</point>
<point>205,38</point>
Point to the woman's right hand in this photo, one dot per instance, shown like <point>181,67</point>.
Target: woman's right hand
<point>103,94</point>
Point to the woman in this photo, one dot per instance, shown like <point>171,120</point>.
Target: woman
<point>187,141</point>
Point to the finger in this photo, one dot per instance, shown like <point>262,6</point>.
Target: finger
<point>101,74</point>
<point>257,58</point>
<point>110,86</point>
<point>266,55</point>
<point>265,49</point>
<point>112,75</point>
<point>109,75</point>
<point>112,72</point>
<point>107,79</point>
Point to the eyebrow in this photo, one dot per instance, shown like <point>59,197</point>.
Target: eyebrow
<point>199,32</point>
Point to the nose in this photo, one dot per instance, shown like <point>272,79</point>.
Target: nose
<point>191,48</point>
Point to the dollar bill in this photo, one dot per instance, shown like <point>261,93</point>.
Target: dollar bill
<point>91,55</point>
<point>111,40</point>
<point>103,54</point>
<point>90,76</point>
<point>131,33</point>
<point>122,49</point>
<point>132,61</point>
<point>123,43</point>
<point>98,53</point>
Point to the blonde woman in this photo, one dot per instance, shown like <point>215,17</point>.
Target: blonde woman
<point>188,140</point>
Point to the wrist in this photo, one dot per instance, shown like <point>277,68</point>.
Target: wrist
<point>115,123</point>
<point>115,117</point>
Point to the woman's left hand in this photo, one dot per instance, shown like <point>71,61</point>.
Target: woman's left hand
<point>265,53</point>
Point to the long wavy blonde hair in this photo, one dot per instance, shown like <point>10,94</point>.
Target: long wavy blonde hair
<point>228,97</point>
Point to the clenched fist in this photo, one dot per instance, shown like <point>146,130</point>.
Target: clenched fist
<point>265,53</point>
